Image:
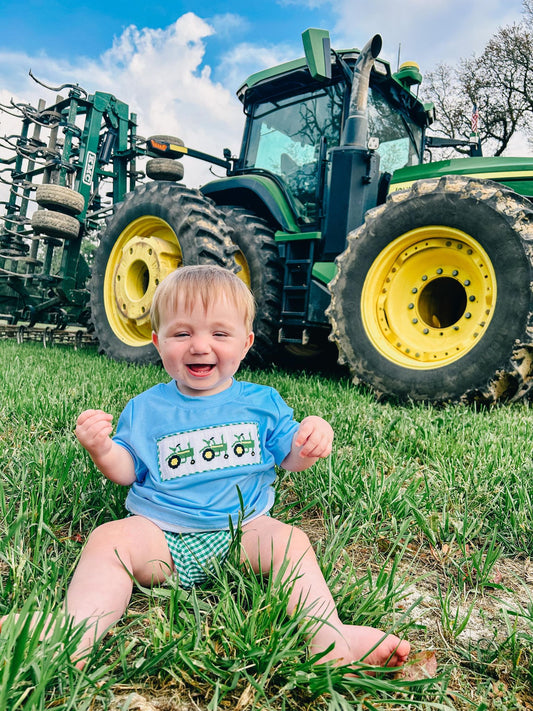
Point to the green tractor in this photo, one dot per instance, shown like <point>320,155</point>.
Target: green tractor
<point>419,273</point>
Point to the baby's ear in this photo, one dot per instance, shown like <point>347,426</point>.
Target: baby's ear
<point>248,344</point>
<point>155,339</point>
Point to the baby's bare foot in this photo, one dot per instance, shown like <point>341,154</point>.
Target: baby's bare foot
<point>354,643</point>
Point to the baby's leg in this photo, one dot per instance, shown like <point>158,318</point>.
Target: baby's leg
<point>268,543</point>
<point>101,586</point>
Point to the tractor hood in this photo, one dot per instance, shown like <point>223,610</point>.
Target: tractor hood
<point>516,173</point>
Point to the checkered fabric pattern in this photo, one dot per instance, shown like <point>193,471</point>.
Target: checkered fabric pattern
<point>193,554</point>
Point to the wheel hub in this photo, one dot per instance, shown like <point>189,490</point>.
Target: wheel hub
<point>144,263</point>
<point>429,297</point>
<point>143,255</point>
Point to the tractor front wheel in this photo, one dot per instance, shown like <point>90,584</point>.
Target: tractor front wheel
<point>432,299</point>
<point>158,227</point>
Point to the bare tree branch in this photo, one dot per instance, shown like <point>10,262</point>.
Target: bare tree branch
<point>499,82</point>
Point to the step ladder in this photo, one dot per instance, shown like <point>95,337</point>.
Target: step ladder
<point>299,259</point>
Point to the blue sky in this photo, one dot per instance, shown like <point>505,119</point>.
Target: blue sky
<point>67,28</point>
<point>178,64</point>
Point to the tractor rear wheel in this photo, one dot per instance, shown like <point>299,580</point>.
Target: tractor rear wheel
<point>432,299</point>
<point>158,227</point>
<point>262,271</point>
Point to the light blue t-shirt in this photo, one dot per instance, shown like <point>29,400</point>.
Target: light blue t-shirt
<point>197,458</point>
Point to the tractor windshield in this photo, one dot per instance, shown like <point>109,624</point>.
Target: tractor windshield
<point>284,138</point>
<point>400,139</point>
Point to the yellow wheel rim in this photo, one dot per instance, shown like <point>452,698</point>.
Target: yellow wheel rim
<point>143,255</point>
<point>244,271</point>
<point>429,297</point>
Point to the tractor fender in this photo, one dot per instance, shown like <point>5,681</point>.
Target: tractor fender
<point>259,194</point>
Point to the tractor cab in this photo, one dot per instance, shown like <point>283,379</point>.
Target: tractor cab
<point>294,119</point>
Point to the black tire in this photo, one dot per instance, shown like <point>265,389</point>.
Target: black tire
<point>208,455</point>
<point>432,299</point>
<point>60,198</point>
<point>158,227</point>
<point>238,450</point>
<point>164,169</point>
<point>174,461</point>
<point>262,270</point>
<point>55,224</point>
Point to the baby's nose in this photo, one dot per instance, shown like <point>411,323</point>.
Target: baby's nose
<point>199,344</point>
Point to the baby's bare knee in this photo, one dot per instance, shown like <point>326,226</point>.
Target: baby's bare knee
<point>293,544</point>
<point>109,537</point>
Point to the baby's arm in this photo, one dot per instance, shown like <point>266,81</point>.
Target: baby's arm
<point>312,441</point>
<point>93,430</point>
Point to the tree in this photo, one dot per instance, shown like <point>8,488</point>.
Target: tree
<point>499,82</point>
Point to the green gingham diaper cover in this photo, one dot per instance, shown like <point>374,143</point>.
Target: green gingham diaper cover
<point>193,554</point>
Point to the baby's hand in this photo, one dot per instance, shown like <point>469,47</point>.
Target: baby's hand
<point>315,437</point>
<point>93,430</point>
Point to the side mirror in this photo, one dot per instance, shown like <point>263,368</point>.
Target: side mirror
<point>317,49</point>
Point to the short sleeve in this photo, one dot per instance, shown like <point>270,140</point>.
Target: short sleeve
<point>284,427</point>
<point>125,437</point>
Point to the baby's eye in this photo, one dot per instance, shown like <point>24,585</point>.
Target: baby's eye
<point>181,334</point>
<point>220,334</point>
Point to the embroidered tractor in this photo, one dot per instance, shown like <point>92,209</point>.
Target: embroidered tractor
<point>177,456</point>
<point>243,445</point>
<point>214,449</point>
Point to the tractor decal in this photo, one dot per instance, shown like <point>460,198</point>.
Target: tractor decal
<point>243,444</point>
<point>192,452</point>
<point>177,456</point>
<point>214,449</point>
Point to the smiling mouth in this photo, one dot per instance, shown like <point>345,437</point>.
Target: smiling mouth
<point>200,368</point>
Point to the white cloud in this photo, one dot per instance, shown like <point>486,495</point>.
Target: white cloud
<point>429,33</point>
<point>229,24</point>
<point>245,59</point>
<point>159,73</point>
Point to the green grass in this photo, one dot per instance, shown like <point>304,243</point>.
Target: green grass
<point>422,520</point>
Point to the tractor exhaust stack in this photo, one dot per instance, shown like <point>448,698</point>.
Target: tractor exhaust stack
<point>356,126</point>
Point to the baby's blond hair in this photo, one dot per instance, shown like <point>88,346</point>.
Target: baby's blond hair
<point>182,287</point>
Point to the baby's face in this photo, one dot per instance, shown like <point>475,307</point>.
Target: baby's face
<point>202,349</point>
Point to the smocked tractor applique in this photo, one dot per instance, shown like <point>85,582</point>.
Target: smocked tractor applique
<point>214,449</point>
<point>177,456</point>
<point>243,445</point>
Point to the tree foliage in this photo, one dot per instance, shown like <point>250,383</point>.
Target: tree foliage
<point>499,82</point>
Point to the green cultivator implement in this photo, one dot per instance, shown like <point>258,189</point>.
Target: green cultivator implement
<point>70,163</point>
<point>419,273</point>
